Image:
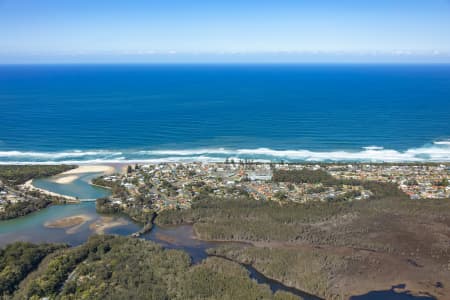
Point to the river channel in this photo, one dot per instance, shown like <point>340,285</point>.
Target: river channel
<point>34,227</point>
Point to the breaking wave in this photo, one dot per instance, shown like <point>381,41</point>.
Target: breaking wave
<point>438,151</point>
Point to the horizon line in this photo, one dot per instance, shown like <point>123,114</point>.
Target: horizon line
<point>285,63</point>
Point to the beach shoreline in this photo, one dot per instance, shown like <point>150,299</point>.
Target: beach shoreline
<point>72,175</point>
<point>65,179</point>
<point>29,186</point>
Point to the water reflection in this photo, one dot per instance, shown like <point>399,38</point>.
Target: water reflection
<point>32,228</point>
<point>182,238</point>
<point>396,292</point>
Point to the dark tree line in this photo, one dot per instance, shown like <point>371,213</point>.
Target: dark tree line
<point>115,267</point>
<point>19,259</point>
<point>22,208</point>
<point>18,174</point>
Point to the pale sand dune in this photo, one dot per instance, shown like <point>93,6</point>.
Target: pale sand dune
<point>91,169</point>
<point>72,175</point>
<point>65,179</point>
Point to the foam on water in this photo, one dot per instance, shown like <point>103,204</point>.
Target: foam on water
<point>57,155</point>
<point>438,151</point>
<point>442,143</point>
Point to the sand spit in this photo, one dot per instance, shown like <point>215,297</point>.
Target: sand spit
<point>91,169</point>
<point>29,186</point>
<point>69,177</point>
<point>72,175</point>
<point>65,179</point>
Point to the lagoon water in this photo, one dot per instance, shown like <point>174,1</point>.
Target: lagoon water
<point>118,113</point>
<point>73,114</point>
<point>32,228</point>
<point>79,188</point>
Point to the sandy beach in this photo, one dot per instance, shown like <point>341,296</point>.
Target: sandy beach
<point>91,169</point>
<point>72,175</point>
<point>29,186</point>
<point>65,179</point>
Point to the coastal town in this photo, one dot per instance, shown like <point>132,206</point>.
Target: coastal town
<point>176,185</point>
<point>418,181</point>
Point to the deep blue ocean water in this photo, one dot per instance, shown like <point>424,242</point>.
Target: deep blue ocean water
<point>76,113</point>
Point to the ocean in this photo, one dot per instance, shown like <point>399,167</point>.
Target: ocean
<point>155,113</point>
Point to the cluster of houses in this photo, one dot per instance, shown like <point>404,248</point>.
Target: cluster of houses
<point>8,195</point>
<point>174,185</point>
<point>422,181</point>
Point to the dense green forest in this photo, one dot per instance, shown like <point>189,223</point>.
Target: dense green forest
<point>22,208</point>
<point>304,176</point>
<point>37,202</point>
<point>310,271</point>
<point>244,219</point>
<point>115,267</point>
<point>19,259</point>
<point>317,246</point>
<point>18,174</point>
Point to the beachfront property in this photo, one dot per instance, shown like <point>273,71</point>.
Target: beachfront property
<point>422,181</point>
<point>10,195</point>
<point>175,185</point>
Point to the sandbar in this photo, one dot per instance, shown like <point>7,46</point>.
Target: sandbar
<point>68,221</point>
<point>105,223</point>
<point>91,169</point>
<point>72,175</point>
<point>65,179</point>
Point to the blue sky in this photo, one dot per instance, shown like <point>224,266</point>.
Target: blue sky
<point>228,30</point>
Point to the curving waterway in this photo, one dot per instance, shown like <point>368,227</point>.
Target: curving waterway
<point>33,228</point>
<point>79,188</point>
